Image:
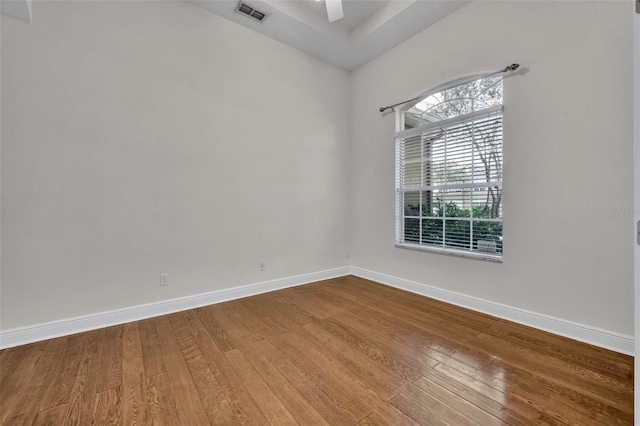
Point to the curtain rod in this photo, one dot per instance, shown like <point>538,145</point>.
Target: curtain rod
<point>511,67</point>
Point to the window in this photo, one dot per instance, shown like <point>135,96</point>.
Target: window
<point>449,170</point>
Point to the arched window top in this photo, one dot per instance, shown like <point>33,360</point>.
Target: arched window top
<point>454,99</point>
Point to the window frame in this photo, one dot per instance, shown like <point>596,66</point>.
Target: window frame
<point>400,187</point>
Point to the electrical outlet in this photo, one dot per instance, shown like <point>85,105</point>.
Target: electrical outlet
<point>348,253</point>
<point>164,279</point>
<point>261,265</point>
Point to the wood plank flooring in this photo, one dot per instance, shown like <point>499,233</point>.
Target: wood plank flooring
<point>345,351</point>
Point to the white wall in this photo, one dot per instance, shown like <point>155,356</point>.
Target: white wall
<point>636,180</point>
<point>0,171</point>
<point>152,137</point>
<point>568,156</point>
<point>141,138</point>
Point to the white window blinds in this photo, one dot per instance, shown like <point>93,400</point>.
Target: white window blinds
<point>449,184</point>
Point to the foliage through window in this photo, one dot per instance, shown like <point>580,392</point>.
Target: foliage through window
<point>449,170</point>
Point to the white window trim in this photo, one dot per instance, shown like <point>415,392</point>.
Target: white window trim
<point>452,252</point>
<point>445,123</point>
<point>498,257</point>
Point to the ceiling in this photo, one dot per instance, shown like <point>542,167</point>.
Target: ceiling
<point>368,29</point>
<point>356,12</point>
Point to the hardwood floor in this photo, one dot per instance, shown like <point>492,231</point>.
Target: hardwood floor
<point>341,352</point>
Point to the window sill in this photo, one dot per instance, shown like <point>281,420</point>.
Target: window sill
<point>452,252</point>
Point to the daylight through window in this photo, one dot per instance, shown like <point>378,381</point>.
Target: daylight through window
<point>449,170</point>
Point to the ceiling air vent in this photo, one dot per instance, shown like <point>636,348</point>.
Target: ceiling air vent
<point>252,13</point>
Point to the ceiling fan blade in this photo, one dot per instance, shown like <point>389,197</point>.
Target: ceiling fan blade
<point>334,10</point>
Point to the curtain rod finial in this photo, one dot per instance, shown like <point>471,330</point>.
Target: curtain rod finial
<point>512,67</point>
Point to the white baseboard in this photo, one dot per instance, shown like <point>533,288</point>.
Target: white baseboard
<point>592,335</point>
<point>583,333</point>
<point>35,333</point>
